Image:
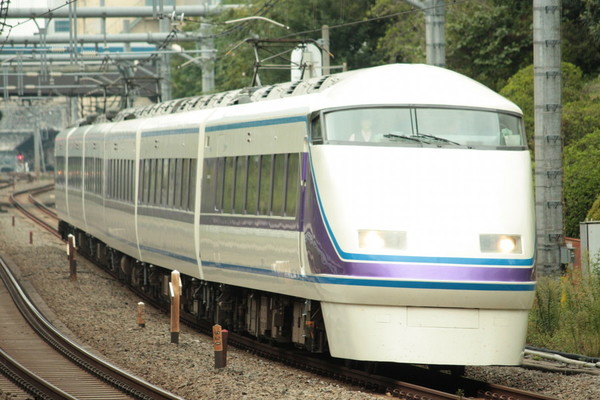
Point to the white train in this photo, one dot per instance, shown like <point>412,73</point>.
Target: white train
<point>383,214</point>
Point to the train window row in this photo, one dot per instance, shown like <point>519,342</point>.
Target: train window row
<point>119,180</point>
<point>168,182</point>
<point>74,176</point>
<point>93,175</point>
<point>265,184</point>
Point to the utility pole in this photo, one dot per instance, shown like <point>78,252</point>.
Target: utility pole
<point>548,138</point>
<point>435,37</point>
<point>165,61</point>
<point>326,44</point>
<point>207,46</point>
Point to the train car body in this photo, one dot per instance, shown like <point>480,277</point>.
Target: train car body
<point>397,198</point>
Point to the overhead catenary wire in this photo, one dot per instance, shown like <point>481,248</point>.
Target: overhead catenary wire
<point>50,11</point>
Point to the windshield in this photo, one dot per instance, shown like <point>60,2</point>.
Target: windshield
<point>424,126</point>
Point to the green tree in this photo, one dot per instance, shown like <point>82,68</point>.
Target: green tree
<point>489,40</point>
<point>352,39</point>
<point>403,40</point>
<point>594,213</point>
<point>580,31</point>
<point>581,179</point>
<point>519,89</point>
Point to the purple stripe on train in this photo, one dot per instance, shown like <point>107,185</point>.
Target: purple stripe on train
<point>324,259</point>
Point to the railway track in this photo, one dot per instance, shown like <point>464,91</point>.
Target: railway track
<point>51,366</point>
<point>24,200</point>
<point>417,383</point>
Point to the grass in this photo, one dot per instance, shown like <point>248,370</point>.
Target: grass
<point>566,314</point>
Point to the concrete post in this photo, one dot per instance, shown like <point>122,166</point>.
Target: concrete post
<point>435,37</point>
<point>207,45</point>
<point>326,43</point>
<point>548,138</point>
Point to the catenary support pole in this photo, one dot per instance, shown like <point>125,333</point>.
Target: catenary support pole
<point>547,136</point>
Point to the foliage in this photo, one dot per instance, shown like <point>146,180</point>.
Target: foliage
<point>580,31</point>
<point>519,89</point>
<point>581,179</point>
<point>566,314</point>
<point>579,119</point>
<point>489,40</point>
<point>404,38</point>
<point>545,314</point>
<point>594,213</point>
<point>351,43</point>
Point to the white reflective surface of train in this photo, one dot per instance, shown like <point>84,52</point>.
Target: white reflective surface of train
<point>383,214</point>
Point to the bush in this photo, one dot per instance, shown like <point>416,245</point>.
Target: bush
<point>594,213</point>
<point>566,314</point>
<point>519,89</point>
<point>581,180</point>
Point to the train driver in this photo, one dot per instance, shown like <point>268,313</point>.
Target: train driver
<point>366,132</point>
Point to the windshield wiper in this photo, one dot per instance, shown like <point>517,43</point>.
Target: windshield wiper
<point>441,139</point>
<point>395,135</point>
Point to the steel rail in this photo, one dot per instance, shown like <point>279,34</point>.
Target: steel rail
<point>41,206</point>
<point>24,210</point>
<point>29,381</point>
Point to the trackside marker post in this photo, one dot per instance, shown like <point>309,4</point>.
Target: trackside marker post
<point>71,254</point>
<point>220,346</point>
<point>175,291</point>
<point>140,315</point>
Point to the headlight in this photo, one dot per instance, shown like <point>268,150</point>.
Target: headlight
<point>507,244</point>
<point>377,240</point>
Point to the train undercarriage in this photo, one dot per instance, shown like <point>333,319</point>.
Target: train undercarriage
<point>266,316</point>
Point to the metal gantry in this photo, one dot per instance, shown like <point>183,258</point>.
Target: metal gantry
<point>42,52</point>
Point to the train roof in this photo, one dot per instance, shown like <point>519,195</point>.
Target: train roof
<point>410,84</point>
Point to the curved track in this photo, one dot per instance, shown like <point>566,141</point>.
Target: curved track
<point>46,363</point>
<point>419,383</point>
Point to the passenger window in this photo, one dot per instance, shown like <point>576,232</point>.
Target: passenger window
<point>146,187</point>
<point>240,185</point>
<point>264,202</point>
<point>292,184</point>
<point>100,176</point>
<point>228,185</point>
<point>172,181</point>
<point>152,183</point>
<point>209,172</point>
<point>178,182</point>
<point>185,183</point>
<point>128,183</point>
<point>159,178</point>
<point>220,177</point>
<point>252,195</point>
<point>192,191</point>
<point>279,174</point>
<point>164,197</point>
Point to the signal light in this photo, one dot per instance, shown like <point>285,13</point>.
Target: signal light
<point>20,157</point>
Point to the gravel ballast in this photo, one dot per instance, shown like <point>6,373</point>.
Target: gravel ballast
<point>101,313</point>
